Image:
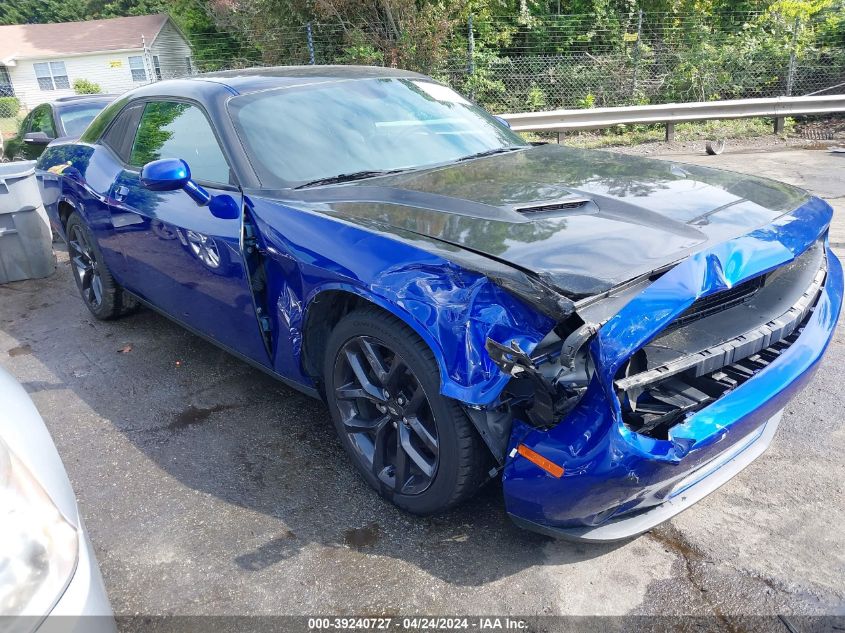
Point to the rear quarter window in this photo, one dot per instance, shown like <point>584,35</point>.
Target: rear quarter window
<point>121,133</point>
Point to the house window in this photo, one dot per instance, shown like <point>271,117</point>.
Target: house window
<point>157,67</point>
<point>51,75</point>
<point>136,65</point>
<point>6,89</point>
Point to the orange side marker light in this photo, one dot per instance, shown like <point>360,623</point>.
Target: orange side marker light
<point>535,458</point>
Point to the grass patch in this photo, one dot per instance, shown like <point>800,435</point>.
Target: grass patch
<point>627,135</point>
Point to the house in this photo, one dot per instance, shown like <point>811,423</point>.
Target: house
<point>40,62</point>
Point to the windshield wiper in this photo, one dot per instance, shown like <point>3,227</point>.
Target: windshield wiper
<point>355,175</point>
<point>490,152</point>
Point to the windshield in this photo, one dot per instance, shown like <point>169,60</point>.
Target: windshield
<point>307,133</point>
<point>76,118</point>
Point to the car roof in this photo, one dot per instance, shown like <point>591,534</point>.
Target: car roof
<point>249,80</point>
<point>69,102</point>
<point>88,97</point>
<point>210,86</point>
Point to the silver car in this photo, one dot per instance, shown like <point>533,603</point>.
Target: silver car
<point>47,565</point>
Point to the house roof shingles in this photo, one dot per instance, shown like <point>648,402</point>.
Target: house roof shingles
<point>21,41</point>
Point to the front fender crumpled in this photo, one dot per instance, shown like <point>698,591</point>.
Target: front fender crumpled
<point>459,311</point>
<point>453,309</point>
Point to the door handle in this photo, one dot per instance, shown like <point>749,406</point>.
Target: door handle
<point>120,193</point>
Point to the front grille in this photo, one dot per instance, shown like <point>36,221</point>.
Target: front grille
<point>668,402</point>
<point>719,301</point>
<point>660,394</point>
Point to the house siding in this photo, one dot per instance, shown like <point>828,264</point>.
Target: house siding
<point>172,51</point>
<point>111,70</point>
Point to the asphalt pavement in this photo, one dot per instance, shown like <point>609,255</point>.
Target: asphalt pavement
<point>209,488</point>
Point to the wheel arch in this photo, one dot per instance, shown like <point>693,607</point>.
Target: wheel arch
<point>327,305</point>
<point>65,207</point>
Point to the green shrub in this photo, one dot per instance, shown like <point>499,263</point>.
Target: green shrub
<point>9,107</point>
<point>588,101</point>
<point>85,87</point>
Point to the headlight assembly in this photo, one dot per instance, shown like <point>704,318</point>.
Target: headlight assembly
<point>38,546</point>
<point>547,386</point>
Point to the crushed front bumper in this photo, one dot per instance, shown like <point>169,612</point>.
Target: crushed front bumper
<point>685,493</point>
<point>617,483</point>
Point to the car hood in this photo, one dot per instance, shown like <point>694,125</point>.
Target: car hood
<point>583,221</point>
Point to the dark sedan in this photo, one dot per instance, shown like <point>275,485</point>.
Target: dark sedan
<point>612,338</point>
<point>67,116</point>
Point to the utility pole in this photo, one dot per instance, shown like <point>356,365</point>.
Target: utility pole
<point>470,47</point>
<point>148,66</point>
<point>637,54</point>
<point>790,74</point>
<point>310,37</point>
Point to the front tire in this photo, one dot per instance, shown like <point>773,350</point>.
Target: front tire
<point>416,447</point>
<point>98,289</point>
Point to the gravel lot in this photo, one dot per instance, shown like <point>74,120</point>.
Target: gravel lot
<point>208,488</point>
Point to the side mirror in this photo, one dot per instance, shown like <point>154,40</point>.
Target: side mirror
<point>502,120</point>
<point>170,174</point>
<point>36,138</point>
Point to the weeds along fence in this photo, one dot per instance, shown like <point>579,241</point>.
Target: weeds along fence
<point>655,58</point>
<point>524,63</point>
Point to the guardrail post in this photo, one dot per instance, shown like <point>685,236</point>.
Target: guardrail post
<point>670,132</point>
<point>780,124</point>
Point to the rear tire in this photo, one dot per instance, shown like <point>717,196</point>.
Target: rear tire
<point>416,447</point>
<point>98,289</point>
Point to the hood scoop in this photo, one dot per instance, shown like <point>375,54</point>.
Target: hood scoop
<point>557,207</point>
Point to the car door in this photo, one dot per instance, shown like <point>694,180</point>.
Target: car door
<point>41,121</point>
<point>179,256</point>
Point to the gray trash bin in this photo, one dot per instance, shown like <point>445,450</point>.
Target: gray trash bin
<point>26,248</point>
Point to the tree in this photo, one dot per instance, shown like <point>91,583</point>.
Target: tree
<point>41,11</point>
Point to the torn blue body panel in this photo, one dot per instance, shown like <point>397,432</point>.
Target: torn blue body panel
<point>613,472</point>
<point>452,309</point>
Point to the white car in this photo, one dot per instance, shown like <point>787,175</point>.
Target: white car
<point>47,565</point>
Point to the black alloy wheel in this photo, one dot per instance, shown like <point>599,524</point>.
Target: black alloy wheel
<point>100,292</point>
<point>85,266</point>
<point>412,444</point>
<point>386,415</point>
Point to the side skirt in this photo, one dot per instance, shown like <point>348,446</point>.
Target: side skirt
<point>308,391</point>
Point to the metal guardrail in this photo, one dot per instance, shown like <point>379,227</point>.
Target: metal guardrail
<point>671,113</point>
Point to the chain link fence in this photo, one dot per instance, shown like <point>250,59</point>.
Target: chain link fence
<point>654,59</point>
<point>527,64</point>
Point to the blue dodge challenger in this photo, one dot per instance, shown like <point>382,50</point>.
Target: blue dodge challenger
<point>613,337</point>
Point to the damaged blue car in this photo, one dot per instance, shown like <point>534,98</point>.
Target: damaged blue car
<point>612,337</point>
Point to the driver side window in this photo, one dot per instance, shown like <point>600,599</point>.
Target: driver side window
<point>170,129</point>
